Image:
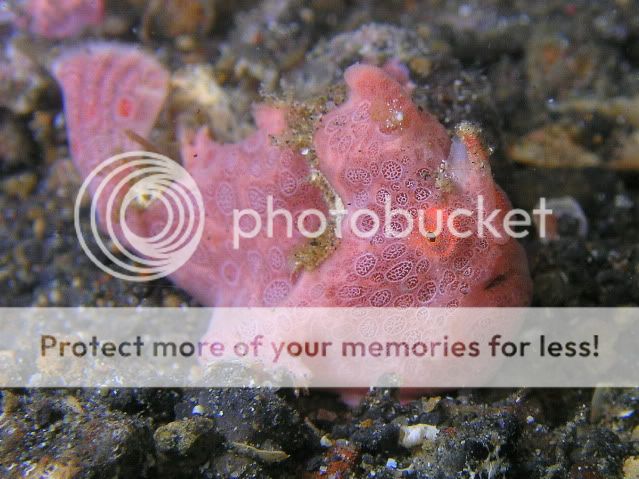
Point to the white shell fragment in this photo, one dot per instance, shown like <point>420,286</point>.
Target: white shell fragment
<point>417,434</point>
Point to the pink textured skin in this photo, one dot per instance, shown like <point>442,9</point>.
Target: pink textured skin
<point>57,19</point>
<point>365,150</point>
<point>108,89</point>
<point>242,175</point>
<point>365,162</point>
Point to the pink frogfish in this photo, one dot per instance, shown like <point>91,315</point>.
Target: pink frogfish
<point>376,150</point>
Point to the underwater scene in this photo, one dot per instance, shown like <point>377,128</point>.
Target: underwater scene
<point>339,171</point>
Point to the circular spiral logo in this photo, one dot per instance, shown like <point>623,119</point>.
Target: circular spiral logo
<point>137,180</point>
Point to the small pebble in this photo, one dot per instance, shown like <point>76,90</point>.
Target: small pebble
<point>198,410</point>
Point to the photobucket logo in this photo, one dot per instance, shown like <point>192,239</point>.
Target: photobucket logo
<point>136,180</point>
<point>432,222</point>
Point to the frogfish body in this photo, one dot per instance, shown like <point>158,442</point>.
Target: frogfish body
<point>375,151</point>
